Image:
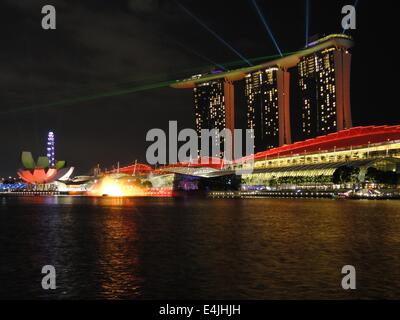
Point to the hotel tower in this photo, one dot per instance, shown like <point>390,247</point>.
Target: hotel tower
<point>214,108</point>
<point>267,106</point>
<point>324,90</point>
<point>324,82</point>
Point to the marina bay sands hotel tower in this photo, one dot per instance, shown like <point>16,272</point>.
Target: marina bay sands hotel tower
<point>323,87</point>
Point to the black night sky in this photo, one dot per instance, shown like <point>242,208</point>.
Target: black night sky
<point>104,46</point>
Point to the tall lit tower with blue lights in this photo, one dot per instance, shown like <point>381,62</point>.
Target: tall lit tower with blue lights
<point>51,149</point>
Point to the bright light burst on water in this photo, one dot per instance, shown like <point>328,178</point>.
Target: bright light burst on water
<point>117,187</point>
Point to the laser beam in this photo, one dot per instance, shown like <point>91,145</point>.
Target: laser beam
<point>133,89</point>
<point>213,33</point>
<point>199,55</point>
<point>307,22</point>
<point>91,97</point>
<point>264,21</point>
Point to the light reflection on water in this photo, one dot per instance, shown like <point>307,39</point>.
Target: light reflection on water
<point>142,248</point>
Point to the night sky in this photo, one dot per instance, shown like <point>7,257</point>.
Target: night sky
<point>104,46</point>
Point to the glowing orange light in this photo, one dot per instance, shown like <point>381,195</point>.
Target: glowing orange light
<point>115,187</point>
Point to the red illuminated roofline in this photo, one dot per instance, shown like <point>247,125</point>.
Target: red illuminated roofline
<point>353,137</point>
<point>345,139</point>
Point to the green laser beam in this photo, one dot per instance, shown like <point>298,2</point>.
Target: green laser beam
<point>139,88</point>
<point>91,97</point>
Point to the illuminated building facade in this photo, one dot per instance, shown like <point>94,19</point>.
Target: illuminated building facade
<point>324,82</point>
<point>318,158</point>
<point>267,100</point>
<point>213,104</point>
<point>209,105</point>
<point>309,163</point>
<point>51,149</point>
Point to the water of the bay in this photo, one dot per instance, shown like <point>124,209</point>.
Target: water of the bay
<point>195,248</point>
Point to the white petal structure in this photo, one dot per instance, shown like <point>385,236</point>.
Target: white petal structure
<point>67,175</point>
